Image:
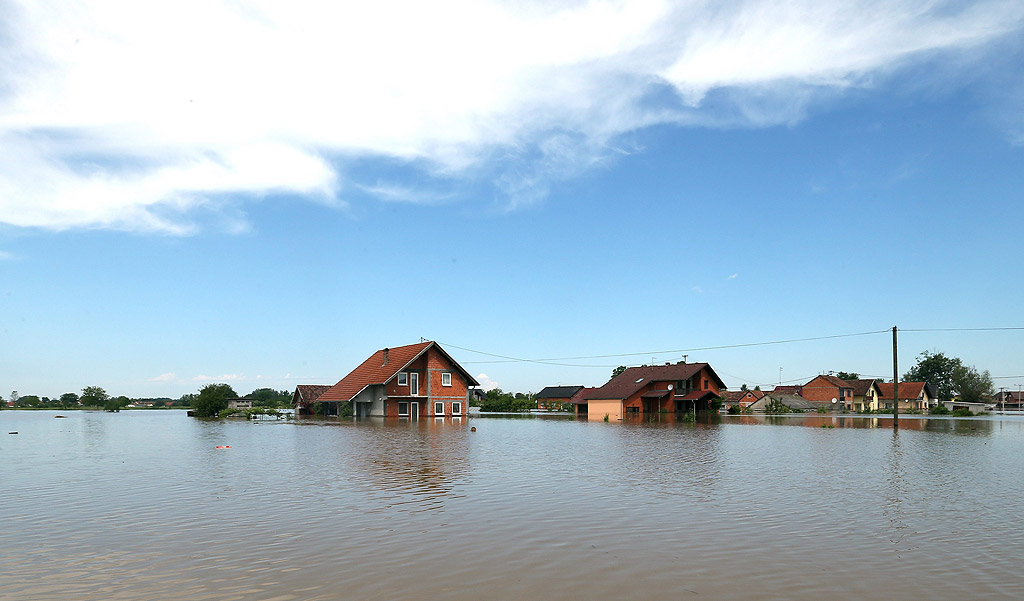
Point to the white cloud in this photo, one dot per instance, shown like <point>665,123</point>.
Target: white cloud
<point>223,378</point>
<point>6,256</point>
<point>168,377</point>
<point>485,382</point>
<point>139,115</point>
<point>733,276</point>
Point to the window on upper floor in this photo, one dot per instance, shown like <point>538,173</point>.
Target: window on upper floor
<point>403,379</point>
<point>446,378</point>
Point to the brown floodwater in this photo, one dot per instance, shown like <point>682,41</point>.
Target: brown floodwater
<point>142,505</point>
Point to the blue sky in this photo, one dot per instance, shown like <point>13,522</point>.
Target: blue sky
<point>290,190</point>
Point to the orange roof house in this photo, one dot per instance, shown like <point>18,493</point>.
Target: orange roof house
<point>913,395</point>
<point>412,381</point>
<point>652,389</point>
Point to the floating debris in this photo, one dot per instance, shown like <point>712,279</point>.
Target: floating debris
<point>224,446</point>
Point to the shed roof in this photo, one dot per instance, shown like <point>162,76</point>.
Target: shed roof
<point>307,394</point>
<point>557,392</point>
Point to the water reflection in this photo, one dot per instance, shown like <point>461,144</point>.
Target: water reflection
<point>415,463</point>
<point>896,494</point>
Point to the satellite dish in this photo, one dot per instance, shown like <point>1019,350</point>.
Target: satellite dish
<point>835,400</point>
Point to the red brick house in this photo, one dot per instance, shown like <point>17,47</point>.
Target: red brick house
<point>652,389</point>
<point>413,381</point>
<point>552,398</point>
<point>740,398</point>
<point>823,390</point>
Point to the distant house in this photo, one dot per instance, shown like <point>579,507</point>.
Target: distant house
<point>240,404</point>
<point>791,401</point>
<point>913,395</point>
<point>412,381</point>
<point>553,397</point>
<point>829,392</point>
<point>654,388</point>
<point>865,394</point>
<point>307,394</point>
<point>1008,400</point>
<point>740,398</point>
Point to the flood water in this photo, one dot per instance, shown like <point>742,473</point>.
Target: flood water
<point>141,505</point>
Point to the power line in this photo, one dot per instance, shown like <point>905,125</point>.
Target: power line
<point>1003,329</point>
<point>549,361</point>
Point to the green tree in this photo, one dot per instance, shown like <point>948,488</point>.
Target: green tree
<point>116,404</point>
<point>972,386</point>
<point>848,375</point>
<point>268,397</point>
<point>938,370</point>
<point>212,399</point>
<point>29,400</point>
<point>743,388</point>
<point>94,396</point>
<point>618,370</point>
<point>68,400</point>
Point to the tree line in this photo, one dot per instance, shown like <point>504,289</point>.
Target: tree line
<point>95,397</point>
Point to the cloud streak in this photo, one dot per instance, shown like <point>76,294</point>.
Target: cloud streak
<point>141,116</point>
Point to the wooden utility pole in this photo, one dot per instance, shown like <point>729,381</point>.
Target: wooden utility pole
<point>895,385</point>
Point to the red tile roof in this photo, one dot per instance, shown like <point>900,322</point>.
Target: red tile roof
<point>309,393</point>
<point>908,390</point>
<point>583,395</point>
<point>634,378</point>
<point>376,370</point>
<point>860,387</point>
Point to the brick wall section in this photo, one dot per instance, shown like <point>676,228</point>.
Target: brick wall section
<point>822,390</point>
<point>430,368</point>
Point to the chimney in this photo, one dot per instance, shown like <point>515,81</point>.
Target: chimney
<point>385,356</point>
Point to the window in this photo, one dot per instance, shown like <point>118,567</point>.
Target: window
<point>446,378</point>
<point>403,409</point>
<point>403,379</point>
<point>414,383</point>
<point>705,384</point>
<point>438,408</point>
<point>456,408</point>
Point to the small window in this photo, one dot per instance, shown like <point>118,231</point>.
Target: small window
<point>438,408</point>
<point>705,384</point>
<point>403,379</point>
<point>456,408</point>
<point>403,409</point>
<point>446,378</point>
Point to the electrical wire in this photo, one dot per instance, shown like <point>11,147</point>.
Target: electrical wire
<point>550,361</point>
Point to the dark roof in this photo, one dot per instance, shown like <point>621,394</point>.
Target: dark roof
<point>376,370</point>
<point>785,390</point>
<point>860,387</point>
<point>656,394</point>
<point>634,378</point>
<point>557,392</point>
<point>307,394</point>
